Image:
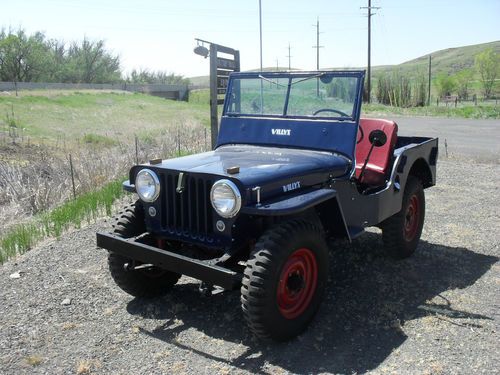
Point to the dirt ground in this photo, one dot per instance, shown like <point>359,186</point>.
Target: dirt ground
<point>434,313</point>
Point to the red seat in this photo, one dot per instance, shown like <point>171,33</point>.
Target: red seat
<point>380,159</point>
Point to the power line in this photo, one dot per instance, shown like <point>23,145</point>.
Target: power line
<point>369,15</point>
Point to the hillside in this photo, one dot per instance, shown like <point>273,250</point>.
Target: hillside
<point>447,61</point>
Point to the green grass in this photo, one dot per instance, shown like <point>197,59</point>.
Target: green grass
<point>50,115</point>
<point>84,119</point>
<point>201,96</point>
<point>98,140</point>
<point>84,209</point>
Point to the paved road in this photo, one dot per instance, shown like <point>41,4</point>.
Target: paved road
<point>478,140</point>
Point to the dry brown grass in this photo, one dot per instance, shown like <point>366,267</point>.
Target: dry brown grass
<point>86,366</point>
<point>68,326</point>
<point>37,179</point>
<point>33,360</point>
<point>62,92</point>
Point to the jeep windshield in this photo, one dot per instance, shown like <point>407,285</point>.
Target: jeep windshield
<point>311,95</point>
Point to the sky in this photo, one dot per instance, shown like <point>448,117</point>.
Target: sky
<point>159,35</point>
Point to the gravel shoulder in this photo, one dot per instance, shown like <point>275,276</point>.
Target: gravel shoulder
<point>435,313</point>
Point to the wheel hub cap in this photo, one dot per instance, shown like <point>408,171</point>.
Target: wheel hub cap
<point>412,218</point>
<point>297,284</point>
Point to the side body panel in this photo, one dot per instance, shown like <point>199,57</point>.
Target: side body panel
<point>369,209</point>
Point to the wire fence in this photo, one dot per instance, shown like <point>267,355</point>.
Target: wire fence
<point>57,170</point>
<point>456,101</point>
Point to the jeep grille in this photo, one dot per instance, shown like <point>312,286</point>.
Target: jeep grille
<point>187,214</point>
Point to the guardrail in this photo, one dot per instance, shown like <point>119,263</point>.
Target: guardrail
<point>175,92</point>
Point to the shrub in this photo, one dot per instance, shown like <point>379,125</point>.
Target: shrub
<point>98,140</point>
<point>394,90</point>
<point>445,84</point>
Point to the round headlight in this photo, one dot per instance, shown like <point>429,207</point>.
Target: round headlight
<point>225,198</point>
<point>147,185</point>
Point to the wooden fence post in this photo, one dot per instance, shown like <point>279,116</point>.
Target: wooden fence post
<point>136,149</point>
<point>178,142</point>
<point>72,176</point>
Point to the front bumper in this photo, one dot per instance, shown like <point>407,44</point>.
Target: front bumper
<point>198,269</point>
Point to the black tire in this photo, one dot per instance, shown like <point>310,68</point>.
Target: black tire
<point>278,300</point>
<point>401,232</point>
<point>150,282</point>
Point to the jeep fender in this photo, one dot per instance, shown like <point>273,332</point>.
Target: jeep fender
<point>324,201</point>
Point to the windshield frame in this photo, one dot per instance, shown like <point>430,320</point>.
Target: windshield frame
<point>299,76</point>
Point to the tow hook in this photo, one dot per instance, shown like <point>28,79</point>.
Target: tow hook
<point>127,267</point>
<point>132,267</point>
<point>206,289</point>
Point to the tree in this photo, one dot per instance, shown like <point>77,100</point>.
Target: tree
<point>344,89</point>
<point>420,90</point>
<point>395,90</point>
<point>57,69</point>
<point>89,62</point>
<point>144,76</point>
<point>22,58</point>
<point>463,80</point>
<point>34,58</point>
<point>487,64</point>
<point>445,84</point>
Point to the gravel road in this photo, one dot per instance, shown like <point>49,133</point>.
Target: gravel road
<point>435,313</point>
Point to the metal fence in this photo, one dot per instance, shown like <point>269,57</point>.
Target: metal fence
<point>175,92</point>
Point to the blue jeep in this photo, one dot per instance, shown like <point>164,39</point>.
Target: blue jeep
<point>293,165</point>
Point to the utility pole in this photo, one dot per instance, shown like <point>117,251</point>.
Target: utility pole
<point>260,30</point>
<point>429,92</point>
<point>317,46</point>
<point>370,14</point>
<point>289,58</point>
<point>261,83</point>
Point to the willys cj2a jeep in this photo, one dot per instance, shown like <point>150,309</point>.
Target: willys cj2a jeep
<point>294,164</point>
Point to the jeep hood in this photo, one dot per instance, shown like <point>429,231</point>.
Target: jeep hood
<point>261,165</point>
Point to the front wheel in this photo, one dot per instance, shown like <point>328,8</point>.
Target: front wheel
<point>284,280</point>
<point>137,281</point>
<point>401,232</point>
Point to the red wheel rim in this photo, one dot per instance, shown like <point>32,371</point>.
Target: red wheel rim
<point>412,218</point>
<point>297,284</point>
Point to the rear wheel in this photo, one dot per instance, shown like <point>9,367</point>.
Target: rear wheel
<point>284,280</point>
<point>401,232</point>
<point>142,282</point>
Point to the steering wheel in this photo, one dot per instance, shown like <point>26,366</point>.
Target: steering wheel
<point>331,110</point>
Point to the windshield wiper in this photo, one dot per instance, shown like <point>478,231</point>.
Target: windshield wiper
<point>292,83</point>
<point>271,81</point>
<point>308,78</point>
